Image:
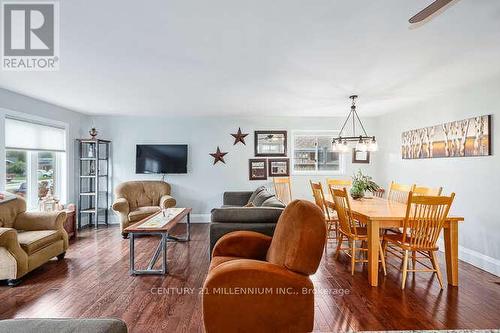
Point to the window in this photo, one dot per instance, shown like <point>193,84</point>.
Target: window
<point>35,160</point>
<point>312,153</point>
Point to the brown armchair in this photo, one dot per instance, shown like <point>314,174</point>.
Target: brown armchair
<point>258,283</point>
<point>28,239</point>
<point>136,200</point>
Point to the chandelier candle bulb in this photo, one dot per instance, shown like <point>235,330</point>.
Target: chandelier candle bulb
<point>373,145</point>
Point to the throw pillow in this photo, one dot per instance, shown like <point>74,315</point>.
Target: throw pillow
<point>273,202</point>
<point>249,205</point>
<point>261,197</point>
<point>252,197</point>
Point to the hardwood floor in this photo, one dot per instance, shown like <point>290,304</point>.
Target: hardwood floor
<point>93,281</point>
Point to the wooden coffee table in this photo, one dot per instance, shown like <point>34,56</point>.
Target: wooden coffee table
<point>158,224</point>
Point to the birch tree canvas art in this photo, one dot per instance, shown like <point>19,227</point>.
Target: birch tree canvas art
<point>468,137</point>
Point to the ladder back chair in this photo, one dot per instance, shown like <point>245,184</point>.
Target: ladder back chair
<point>338,183</point>
<point>319,199</point>
<point>429,191</point>
<point>350,231</point>
<point>425,218</point>
<point>379,193</point>
<point>283,189</point>
<point>399,192</point>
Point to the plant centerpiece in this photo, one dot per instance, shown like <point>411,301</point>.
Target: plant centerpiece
<point>362,183</point>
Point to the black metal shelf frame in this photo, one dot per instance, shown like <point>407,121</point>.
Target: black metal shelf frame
<point>94,181</point>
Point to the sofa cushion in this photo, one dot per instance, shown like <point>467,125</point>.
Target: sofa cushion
<point>273,202</point>
<point>254,194</point>
<point>142,212</point>
<point>261,197</point>
<point>32,241</point>
<point>246,214</point>
<point>228,206</point>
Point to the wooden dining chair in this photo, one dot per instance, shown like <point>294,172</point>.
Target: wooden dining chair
<point>330,216</point>
<point>399,192</point>
<point>338,183</point>
<point>379,193</point>
<point>283,189</point>
<point>425,217</point>
<point>429,191</point>
<point>351,231</point>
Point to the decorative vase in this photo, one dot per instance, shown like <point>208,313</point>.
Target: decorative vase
<point>93,133</point>
<point>357,194</point>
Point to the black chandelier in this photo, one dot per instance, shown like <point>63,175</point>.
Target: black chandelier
<point>364,142</point>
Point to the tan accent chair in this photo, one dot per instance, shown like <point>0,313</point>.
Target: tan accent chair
<point>136,200</point>
<point>258,283</point>
<point>28,239</point>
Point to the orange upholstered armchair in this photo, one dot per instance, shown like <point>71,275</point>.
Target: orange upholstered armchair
<point>258,283</point>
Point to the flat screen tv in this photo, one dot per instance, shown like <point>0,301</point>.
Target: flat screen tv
<point>161,159</point>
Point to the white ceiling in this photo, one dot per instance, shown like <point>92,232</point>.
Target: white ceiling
<point>262,57</point>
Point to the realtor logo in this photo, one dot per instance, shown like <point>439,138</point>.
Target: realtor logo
<point>30,36</point>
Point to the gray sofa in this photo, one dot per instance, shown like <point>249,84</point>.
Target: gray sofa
<point>254,211</point>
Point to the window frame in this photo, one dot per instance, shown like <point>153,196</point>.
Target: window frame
<point>316,133</point>
<point>62,186</point>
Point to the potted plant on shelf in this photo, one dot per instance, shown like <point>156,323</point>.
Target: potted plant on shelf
<point>362,183</point>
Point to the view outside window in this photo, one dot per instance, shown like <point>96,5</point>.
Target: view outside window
<point>313,153</point>
<point>35,161</point>
<point>46,173</point>
<point>304,155</point>
<point>19,164</point>
<point>17,172</point>
<point>328,160</point>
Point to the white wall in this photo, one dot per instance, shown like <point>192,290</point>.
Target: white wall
<point>22,106</point>
<point>475,180</point>
<point>204,184</point>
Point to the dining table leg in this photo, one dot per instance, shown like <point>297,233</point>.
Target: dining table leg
<point>373,255</point>
<point>451,253</point>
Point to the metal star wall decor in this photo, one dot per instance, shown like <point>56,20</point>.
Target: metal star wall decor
<point>218,156</point>
<point>239,137</point>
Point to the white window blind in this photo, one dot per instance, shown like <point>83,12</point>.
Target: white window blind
<point>25,135</point>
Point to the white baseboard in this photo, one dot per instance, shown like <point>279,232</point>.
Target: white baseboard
<point>475,258</point>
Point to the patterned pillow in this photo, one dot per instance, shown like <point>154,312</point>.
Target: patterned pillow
<point>254,194</point>
<point>261,197</point>
<point>273,202</point>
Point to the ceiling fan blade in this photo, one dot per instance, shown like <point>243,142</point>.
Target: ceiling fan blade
<point>429,10</point>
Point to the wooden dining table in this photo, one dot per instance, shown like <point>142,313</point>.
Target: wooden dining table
<point>377,213</point>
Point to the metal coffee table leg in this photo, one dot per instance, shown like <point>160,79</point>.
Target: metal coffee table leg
<point>132,254</point>
<point>187,238</point>
<point>160,249</point>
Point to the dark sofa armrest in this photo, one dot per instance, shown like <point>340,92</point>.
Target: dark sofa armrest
<point>246,214</point>
<point>236,198</point>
